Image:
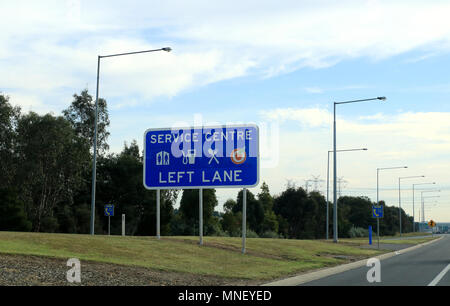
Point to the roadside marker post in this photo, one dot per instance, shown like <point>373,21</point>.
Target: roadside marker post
<point>123,225</point>
<point>225,156</point>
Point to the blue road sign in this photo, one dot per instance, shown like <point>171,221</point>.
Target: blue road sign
<point>201,157</point>
<point>109,210</point>
<point>377,211</point>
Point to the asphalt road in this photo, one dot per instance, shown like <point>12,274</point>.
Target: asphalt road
<point>428,265</point>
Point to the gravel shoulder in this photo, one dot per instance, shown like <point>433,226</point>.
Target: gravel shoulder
<point>20,270</point>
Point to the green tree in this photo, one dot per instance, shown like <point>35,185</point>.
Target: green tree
<point>270,223</point>
<point>255,211</point>
<point>120,183</point>
<point>302,212</point>
<point>12,212</point>
<point>51,157</point>
<point>189,210</point>
<point>9,117</point>
<point>230,222</point>
<point>81,115</point>
<point>265,197</point>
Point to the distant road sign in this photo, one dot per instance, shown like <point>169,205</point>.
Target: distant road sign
<point>431,223</point>
<point>377,211</point>
<point>201,157</point>
<point>109,210</point>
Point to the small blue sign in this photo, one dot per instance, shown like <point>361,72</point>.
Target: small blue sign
<point>201,157</point>
<point>377,211</point>
<point>109,210</point>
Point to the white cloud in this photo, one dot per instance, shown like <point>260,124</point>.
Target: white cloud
<point>311,117</point>
<point>54,44</point>
<point>419,140</point>
<point>314,90</point>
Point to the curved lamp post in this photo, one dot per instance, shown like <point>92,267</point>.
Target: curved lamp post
<point>399,198</point>
<point>335,219</point>
<point>94,164</point>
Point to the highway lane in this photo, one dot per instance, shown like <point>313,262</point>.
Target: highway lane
<point>416,268</point>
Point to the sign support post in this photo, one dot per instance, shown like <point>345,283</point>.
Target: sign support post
<point>109,225</point>
<point>244,218</point>
<point>378,232</point>
<point>378,212</point>
<point>158,214</point>
<point>200,215</point>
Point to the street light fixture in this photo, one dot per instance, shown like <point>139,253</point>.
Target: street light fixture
<point>328,183</point>
<point>335,220</point>
<point>399,198</point>
<point>94,164</point>
<point>414,222</point>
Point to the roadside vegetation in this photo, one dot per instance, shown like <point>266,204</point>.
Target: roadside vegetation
<point>220,256</point>
<point>45,186</point>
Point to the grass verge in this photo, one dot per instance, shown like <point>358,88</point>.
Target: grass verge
<point>265,259</point>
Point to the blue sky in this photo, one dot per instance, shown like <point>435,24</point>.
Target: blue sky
<point>277,64</point>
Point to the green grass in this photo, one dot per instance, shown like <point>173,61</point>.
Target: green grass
<point>265,258</point>
<point>393,239</point>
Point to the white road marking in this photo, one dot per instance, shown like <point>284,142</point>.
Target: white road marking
<point>438,278</point>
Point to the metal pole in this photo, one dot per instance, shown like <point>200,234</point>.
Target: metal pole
<point>158,214</point>
<point>335,225</point>
<point>328,187</point>
<point>123,224</point>
<point>94,162</point>
<point>200,208</point>
<point>399,207</point>
<point>378,203</point>
<point>109,225</point>
<point>423,210</point>
<point>420,226</point>
<point>244,218</point>
<point>414,222</point>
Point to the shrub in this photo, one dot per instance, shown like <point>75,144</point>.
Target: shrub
<point>270,234</point>
<point>356,232</point>
<point>251,234</point>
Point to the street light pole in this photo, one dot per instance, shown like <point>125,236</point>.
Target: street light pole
<point>378,196</point>
<point>399,198</point>
<point>328,186</point>
<point>414,222</point>
<point>335,225</point>
<point>421,198</point>
<point>94,162</point>
<point>423,203</point>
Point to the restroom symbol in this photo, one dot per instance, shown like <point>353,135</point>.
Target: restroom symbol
<point>162,158</point>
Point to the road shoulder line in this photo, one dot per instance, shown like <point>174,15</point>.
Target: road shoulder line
<point>438,278</point>
<point>311,276</point>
